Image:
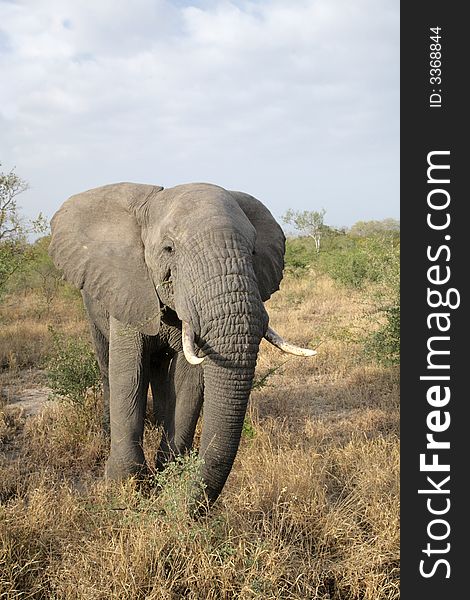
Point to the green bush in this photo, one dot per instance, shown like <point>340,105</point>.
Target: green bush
<point>11,258</point>
<point>37,273</point>
<point>384,344</point>
<point>180,485</point>
<point>350,268</point>
<point>352,261</point>
<point>72,368</point>
<point>14,229</point>
<point>360,261</point>
<point>298,256</point>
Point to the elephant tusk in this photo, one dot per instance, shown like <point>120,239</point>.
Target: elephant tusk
<point>189,348</point>
<point>276,340</point>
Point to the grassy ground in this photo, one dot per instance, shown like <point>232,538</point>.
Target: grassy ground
<point>310,510</point>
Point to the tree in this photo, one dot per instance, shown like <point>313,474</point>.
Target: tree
<point>10,223</point>
<point>14,229</point>
<point>370,228</point>
<point>308,222</point>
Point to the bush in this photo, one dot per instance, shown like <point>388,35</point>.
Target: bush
<point>384,344</point>
<point>352,261</point>
<point>350,268</point>
<point>180,486</point>
<point>38,274</point>
<point>72,368</point>
<point>298,256</point>
<point>14,229</point>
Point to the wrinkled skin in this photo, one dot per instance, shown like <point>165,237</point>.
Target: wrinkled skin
<point>147,259</point>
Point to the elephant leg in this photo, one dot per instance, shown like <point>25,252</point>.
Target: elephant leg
<point>129,381</point>
<point>160,385</point>
<point>101,346</point>
<point>98,319</point>
<point>182,408</point>
<point>189,384</point>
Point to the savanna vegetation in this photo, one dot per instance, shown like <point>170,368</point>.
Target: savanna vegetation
<point>311,508</point>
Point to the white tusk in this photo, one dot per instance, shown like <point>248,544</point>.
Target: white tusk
<point>276,340</point>
<point>189,348</point>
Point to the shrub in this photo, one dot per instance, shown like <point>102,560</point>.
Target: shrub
<point>14,230</point>
<point>352,261</point>
<point>298,256</point>
<point>181,486</point>
<point>72,368</point>
<point>350,268</point>
<point>38,273</point>
<point>384,344</point>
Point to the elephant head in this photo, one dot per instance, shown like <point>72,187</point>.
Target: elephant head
<point>207,254</point>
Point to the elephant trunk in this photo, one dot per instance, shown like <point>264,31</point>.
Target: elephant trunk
<point>232,327</point>
<point>225,401</point>
<point>224,320</point>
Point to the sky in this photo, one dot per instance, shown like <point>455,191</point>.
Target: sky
<point>295,102</point>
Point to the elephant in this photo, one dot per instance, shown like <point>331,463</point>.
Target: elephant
<point>174,283</point>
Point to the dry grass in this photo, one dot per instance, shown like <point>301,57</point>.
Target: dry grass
<point>25,340</point>
<point>310,509</point>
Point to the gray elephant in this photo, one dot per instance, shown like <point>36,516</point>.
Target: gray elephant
<point>173,281</point>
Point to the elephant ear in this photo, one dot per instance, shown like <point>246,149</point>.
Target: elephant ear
<point>96,242</point>
<point>270,244</point>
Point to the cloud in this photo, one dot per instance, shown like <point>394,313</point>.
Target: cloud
<point>296,102</point>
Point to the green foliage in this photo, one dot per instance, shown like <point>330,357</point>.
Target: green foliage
<point>352,261</point>
<point>72,369</point>
<point>180,485</point>
<point>366,260</point>
<point>12,231</point>
<point>384,344</point>
<point>351,268</point>
<point>38,273</point>
<point>14,248</point>
<point>248,431</point>
<point>307,222</point>
<point>297,258</point>
<point>11,258</point>
<point>11,227</point>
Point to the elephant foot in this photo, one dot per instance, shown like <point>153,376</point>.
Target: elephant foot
<point>118,469</point>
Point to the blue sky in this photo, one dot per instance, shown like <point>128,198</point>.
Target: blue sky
<point>294,102</point>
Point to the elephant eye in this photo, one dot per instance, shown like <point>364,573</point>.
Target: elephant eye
<point>168,248</point>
